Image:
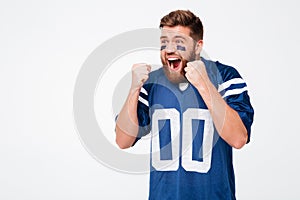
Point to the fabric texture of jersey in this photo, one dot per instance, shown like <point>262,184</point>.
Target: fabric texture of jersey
<point>188,158</point>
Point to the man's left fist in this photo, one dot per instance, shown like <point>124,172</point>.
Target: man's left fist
<point>196,74</point>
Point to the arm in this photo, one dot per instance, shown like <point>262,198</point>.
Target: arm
<point>127,125</point>
<point>226,120</point>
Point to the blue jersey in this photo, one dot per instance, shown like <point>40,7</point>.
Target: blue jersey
<point>189,160</point>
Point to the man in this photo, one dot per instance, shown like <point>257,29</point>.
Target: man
<point>196,110</point>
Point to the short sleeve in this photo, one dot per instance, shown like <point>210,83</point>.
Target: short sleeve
<point>143,114</point>
<point>234,91</point>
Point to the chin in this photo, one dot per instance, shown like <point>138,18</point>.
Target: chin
<point>174,76</point>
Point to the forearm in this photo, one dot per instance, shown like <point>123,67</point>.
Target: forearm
<point>226,120</point>
<point>127,122</point>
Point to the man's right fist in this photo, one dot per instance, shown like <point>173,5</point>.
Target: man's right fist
<point>140,74</point>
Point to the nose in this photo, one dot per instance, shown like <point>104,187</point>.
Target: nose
<point>170,48</point>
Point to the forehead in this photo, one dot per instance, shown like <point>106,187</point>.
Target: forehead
<point>168,31</point>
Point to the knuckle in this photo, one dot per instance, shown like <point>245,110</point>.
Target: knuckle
<point>137,65</point>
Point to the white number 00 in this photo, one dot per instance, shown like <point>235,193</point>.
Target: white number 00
<point>187,140</point>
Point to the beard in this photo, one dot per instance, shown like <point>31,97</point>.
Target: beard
<point>177,76</point>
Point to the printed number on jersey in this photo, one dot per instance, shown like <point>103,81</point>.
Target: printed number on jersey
<point>186,142</point>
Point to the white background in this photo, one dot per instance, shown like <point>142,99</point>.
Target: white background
<point>43,45</point>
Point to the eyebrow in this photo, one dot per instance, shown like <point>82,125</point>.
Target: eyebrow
<point>176,36</point>
<point>179,36</point>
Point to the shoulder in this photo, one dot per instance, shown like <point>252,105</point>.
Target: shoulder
<point>154,76</point>
<point>156,73</point>
<point>227,72</point>
<point>227,77</point>
<point>222,71</point>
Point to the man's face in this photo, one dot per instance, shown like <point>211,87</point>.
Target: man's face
<point>177,48</point>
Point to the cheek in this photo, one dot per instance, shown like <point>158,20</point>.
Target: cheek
<point>184,55</point>
<point>187,55</point>
<point>163,56</point>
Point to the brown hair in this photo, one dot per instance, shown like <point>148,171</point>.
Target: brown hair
<point>184,18</point>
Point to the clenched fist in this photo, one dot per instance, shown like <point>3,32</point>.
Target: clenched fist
<point>140,74</point>
<point>196,74</point>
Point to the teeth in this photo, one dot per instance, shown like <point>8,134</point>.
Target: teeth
<point>172,59</point>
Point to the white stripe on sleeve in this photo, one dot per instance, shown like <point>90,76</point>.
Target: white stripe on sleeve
<point>227,84</point>
<point>144,91</point>
<point>144,101</point>
<point>235,91</point>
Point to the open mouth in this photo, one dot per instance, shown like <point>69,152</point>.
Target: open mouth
<point>174,63</point>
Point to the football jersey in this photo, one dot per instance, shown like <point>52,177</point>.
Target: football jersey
<point>189,160</point>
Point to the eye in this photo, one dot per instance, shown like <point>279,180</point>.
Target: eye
<point>179,41</point>
<point>164,42</point>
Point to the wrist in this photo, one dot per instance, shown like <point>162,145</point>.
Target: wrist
<point>135,89</point>
<point>208,93</point>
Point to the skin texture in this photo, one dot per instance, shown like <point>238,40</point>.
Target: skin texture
<point>172,38</point>
<point>190,69</point>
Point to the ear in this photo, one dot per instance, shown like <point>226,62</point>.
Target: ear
<point>198,47</point>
